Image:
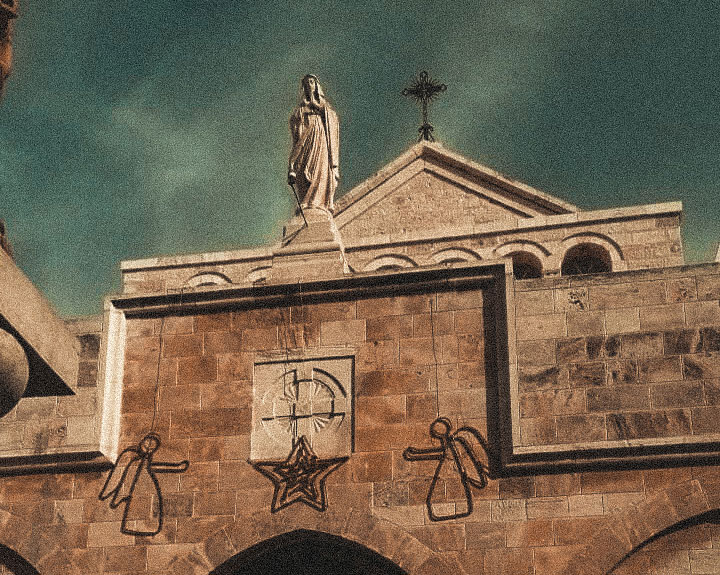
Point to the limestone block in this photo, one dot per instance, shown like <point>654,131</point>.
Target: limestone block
<point>645,424</point>
<point>309,397</point>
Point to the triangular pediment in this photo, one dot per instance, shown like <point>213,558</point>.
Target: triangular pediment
<point>429,187</point>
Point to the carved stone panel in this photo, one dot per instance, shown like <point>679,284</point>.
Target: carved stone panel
<point>309,397</point>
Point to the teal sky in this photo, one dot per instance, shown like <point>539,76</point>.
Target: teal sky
<point>130,130</point>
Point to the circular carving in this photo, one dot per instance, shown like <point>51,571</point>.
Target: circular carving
<point>308,406</point>
<point>14,372</point>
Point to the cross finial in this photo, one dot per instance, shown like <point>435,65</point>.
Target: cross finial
<point>423,90</point>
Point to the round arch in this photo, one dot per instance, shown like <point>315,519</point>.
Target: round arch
<point>586,258</point>
<point>17,564</point>
<point>617,258</point>
<point>382,537</point>
<point>307,552</point>
<point>258,274</point>
<point>207,279</point>
<point>526,265</point>
<point>389,262</point>
<point>621,534</point>
<point>529,258</point>
<point>534,248</point>
<point>454,255</point>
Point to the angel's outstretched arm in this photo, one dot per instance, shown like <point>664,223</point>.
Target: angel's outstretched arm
<point>423,454</point>
<point>164,467</point>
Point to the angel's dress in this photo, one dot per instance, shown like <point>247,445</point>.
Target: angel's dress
<point>130,483</point>
<point>146,488</point>
<point>448,488</point>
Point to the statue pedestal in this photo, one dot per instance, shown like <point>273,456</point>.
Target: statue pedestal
<point>309,252</point>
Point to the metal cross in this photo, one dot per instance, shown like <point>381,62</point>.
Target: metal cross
<point>423,90</point>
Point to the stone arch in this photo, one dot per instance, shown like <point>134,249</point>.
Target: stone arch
<point>529,257</point>
<point>207,279</point>
<point>388,262</point>
<point>453,255</point>
<point>258,274</point>
<point>14,532</point>
<point>608,244</point>
<point>317,551</point>
<point>17,564</point>
<point>622,532</point>
<point>526,265</point>
<point>383,537</point>
<point>536,249</point>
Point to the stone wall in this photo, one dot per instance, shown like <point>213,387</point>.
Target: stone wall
<point>635,238</point>
<point>197,364</point>
<point>619,357</point>
<point>644,241</point>
<point>57,425</point>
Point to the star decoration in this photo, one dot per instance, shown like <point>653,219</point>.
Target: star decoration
<point>300,478</point>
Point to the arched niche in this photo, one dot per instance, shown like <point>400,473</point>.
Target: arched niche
<point>13,563</point>
<point>389,263</point>
<point>451,256</point>
<point>526,265</point>
<point>305,552</point>
<point>586,258</point>
<point>207,279</point>
<point>529,258</point>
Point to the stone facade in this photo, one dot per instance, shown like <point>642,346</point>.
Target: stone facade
<point>595,396</point>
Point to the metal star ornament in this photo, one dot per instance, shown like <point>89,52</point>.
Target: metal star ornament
<point>300,478</point>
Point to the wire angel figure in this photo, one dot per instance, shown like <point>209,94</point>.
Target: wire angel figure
<point>459,460</point>
<point>135,469</point>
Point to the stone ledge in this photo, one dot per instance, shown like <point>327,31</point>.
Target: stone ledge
<point>526,224</point>
<point>201,259</point>
<point>699,269</point>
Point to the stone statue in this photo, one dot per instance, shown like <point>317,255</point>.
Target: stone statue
<point>314,160</point>
<point>8,12</point>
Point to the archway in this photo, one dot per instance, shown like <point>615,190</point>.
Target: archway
<point>305,552</point>
<point>526,265</point>
<point>586,258</point>
<point>12,562</point>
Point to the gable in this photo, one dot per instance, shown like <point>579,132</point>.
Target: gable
<point>430,188</point>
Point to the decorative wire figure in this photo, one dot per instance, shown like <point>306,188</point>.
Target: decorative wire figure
<point>134,468</point>
<point>457,450</point>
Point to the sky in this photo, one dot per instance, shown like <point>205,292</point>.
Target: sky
<point>132,130</point>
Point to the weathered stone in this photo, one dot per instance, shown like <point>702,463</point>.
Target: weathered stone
<point>618,398</point>
<point>622,320</point>
<point>541,377</point>
<point>580,428</point>
<point>639,345</point>
<point>678,394</point>
<point>585,323</point>
<point>622,372</point>
<point>587,374</point>
<point>637,425</point>
<point>659,369</point>
<point>552,402</point>
<point>701,366</point>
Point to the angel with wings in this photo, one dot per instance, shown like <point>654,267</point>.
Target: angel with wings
<point>135,470</point>
<point>460,461</point>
